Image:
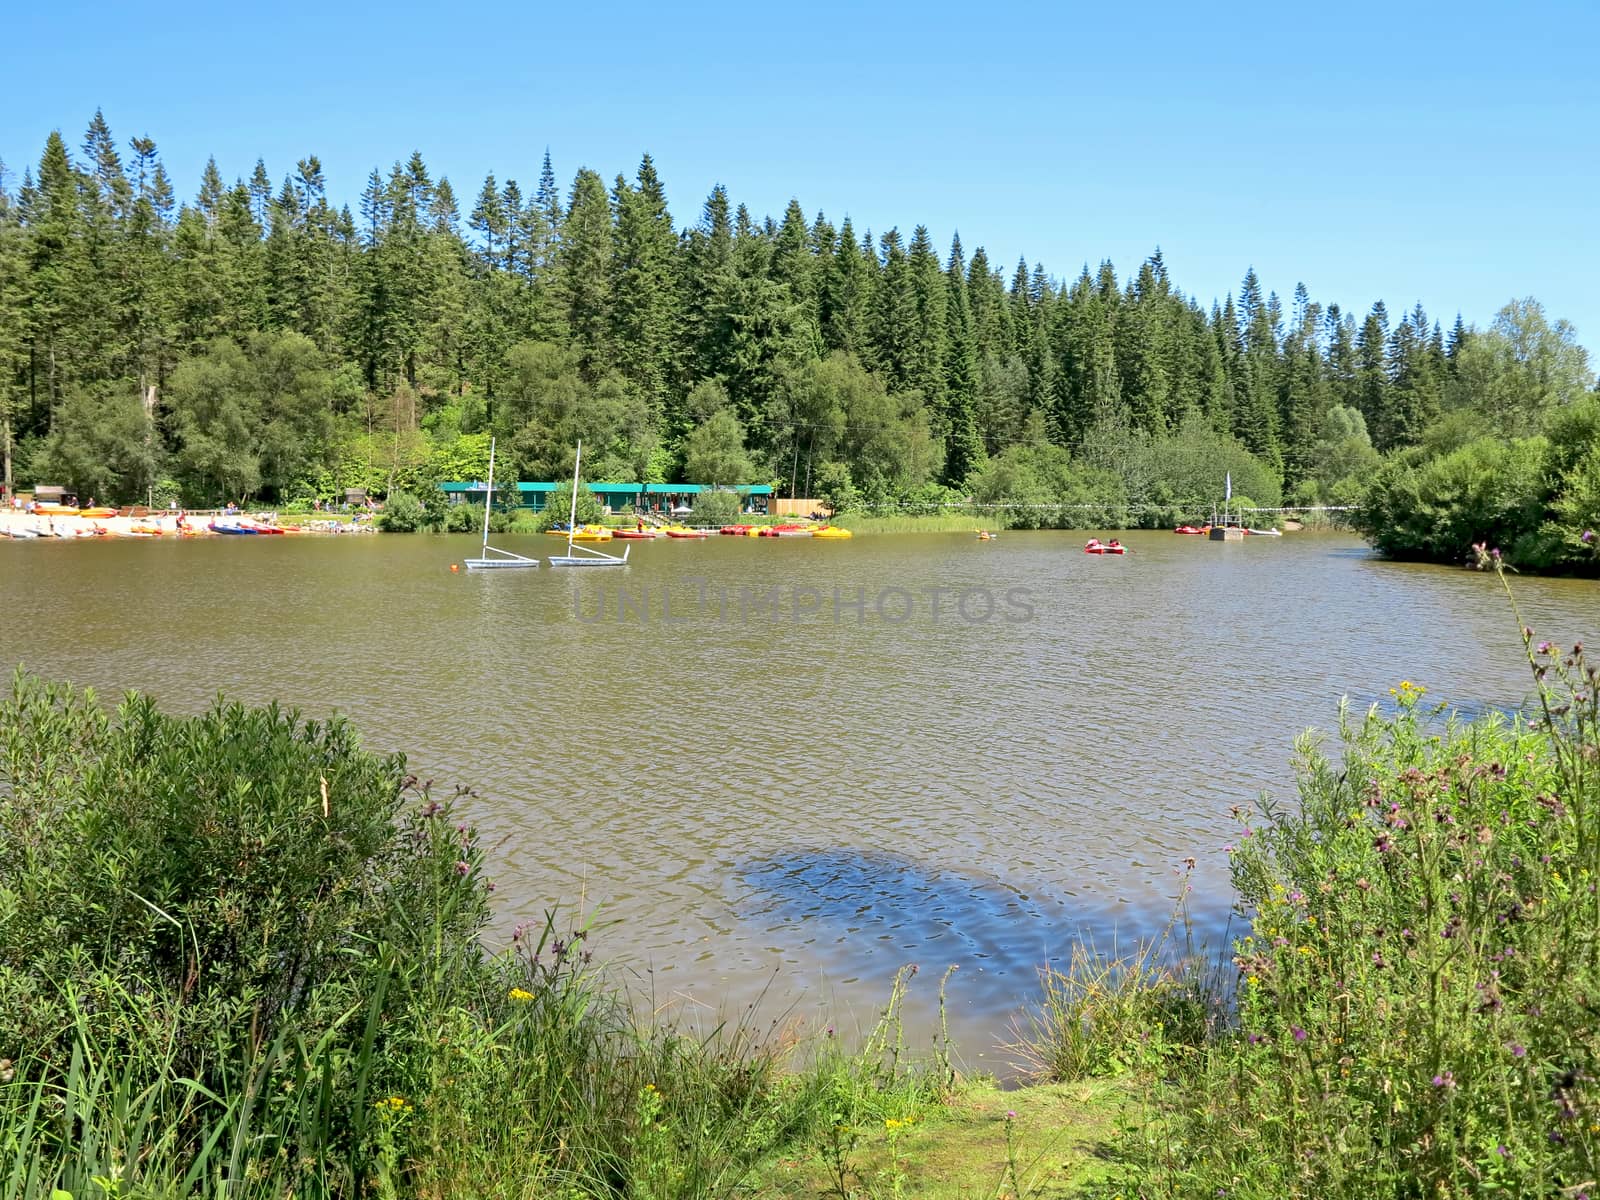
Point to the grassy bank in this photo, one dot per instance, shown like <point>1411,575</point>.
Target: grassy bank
<point>951,522</point>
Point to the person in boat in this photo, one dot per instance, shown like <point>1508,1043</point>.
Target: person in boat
<point>1114,544</point>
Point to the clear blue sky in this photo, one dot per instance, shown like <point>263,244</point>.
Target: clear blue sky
<point>1447,153</point>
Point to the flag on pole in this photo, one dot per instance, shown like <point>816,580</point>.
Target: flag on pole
<point>1227,487</point>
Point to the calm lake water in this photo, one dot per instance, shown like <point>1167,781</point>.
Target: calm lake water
<point>775,769</point>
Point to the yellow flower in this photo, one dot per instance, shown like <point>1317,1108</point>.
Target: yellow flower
<point>1305,949</point>
<point>520,995</point>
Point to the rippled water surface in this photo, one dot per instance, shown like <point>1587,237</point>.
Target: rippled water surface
<point>772,766</point>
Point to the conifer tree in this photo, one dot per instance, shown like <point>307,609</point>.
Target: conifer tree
<point>587,246</point>
<point>963,445</point>
<point>644,286</point>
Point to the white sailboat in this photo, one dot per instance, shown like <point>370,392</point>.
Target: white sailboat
<point>593,558</point>
<point>506,559</point>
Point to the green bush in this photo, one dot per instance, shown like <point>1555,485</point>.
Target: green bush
<point>559,505</point>
<point>403,513</point>
<point>198,899</point>
<point>1488,491</point>
<point>468,518</point>
<point>715,508</point>
<point>1041,487</point>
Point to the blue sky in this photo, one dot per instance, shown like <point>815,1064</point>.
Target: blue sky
<point>1442,153</point>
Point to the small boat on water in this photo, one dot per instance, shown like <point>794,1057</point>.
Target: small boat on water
<point>1266,532</point>
<point>634,535</point>
<point>688,533</point>
<point>587,557</point>
<point>505,558</point>
<point>985,536</point>
<point>1198,530</point>
<point>735,530</point>
<point>788,530</point>
<point>1096,546</point>
<point>831,531</point>
<point>592,533</point>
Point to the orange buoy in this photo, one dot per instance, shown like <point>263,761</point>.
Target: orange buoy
<point>453,567</point>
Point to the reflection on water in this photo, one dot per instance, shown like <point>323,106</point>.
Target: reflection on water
<point>794,803</point>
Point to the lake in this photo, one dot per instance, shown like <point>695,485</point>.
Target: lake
<point>781,769</point>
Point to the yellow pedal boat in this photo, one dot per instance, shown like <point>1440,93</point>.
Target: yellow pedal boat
<point>831,531</point>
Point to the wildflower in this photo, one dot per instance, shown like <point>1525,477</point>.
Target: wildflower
<point>1011,1114</point>
<point>463,866</point>
<point>1298,1033</point>
<point>1503,1150</point>
<point>1445,1080</point>
<point>520,995</point>
<point>1587,537</point>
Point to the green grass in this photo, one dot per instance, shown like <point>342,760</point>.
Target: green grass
<point>956,522</point>
<point>1043,1142</point>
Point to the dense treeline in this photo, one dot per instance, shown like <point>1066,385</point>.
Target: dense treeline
<point>259,341</point>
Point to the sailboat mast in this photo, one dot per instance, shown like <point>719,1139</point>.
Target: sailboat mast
<point>488,500</point>
<point>572,517</point>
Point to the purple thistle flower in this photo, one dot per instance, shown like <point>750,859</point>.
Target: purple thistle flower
<point>1298,1033</point>
<point>1587,537</point>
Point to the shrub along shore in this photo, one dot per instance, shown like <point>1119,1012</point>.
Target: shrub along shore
<point>240,955</point>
